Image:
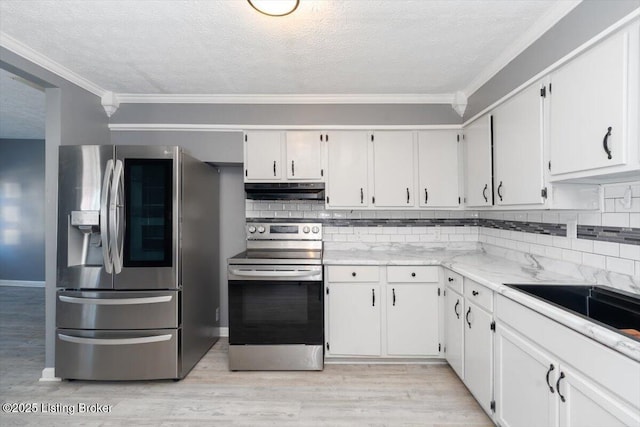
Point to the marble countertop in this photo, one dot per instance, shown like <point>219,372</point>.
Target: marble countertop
<point>494,272</point>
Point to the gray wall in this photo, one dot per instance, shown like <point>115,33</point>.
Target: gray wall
<point>584,22</point>
<point>22,209</point>
<point>304,114</point>
<point>74,116</point>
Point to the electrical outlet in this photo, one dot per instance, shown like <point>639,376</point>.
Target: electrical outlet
<point>217,314</point>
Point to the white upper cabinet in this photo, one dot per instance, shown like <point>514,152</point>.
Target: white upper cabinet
<point>477,162</point>
<point>517,145</point>
<point>438,169</point>
<point>393,169</point>
<point>263,156</point>
<point>348,170</point>
<point>593,118</point>
<point>304,155</point>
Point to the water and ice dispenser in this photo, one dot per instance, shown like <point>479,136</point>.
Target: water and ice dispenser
<point>84,239</point>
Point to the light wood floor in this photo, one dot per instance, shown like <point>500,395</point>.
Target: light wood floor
<point>341,395</point>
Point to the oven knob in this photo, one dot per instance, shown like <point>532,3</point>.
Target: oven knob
<point>315,229</point>
<point>252,229</point>
<point>261,229</point>
<point>305,229</point>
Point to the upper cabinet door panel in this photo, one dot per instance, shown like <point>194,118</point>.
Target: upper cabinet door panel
<point>393,159</point>
<point>588,106</point>
<point>304,155</point>
<point>517,145</point>
<point>438,168</point>
<point>348,173</point>
<point>477,154</point>
<point>262,156</point>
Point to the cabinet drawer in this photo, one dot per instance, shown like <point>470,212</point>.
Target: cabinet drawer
<point>409,274</point>
<point>477,293</point>
<point>453,280</point>
<point>353,273</point>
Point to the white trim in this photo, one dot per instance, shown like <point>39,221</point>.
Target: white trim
<point>48,64</point>
<point>133,98</point>
<point>588,44</point>
<point>186,127</point>
<point>49,376</point>
<point>23,283</point>
<point>544,24</point>
<point>223,332</point>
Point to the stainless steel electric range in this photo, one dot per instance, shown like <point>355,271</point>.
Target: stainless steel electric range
<point>276,303</point>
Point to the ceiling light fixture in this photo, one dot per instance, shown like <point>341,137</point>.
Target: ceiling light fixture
<point>274,7</point>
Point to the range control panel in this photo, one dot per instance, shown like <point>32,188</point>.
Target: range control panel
<point>284,231</point>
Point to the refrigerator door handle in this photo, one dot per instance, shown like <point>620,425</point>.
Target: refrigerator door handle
<point>114,217</point>
<point>114,341</point>
<point>115,301</point>
<point>104,215</point>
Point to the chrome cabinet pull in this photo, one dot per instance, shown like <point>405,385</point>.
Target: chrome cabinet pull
<point>551,368</point>
<point>605,143</point>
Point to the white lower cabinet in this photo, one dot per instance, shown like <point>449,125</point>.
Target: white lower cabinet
<point>537,384</point>
<point>454,323</point>
<point>478,354</point>
<point>380,311</point>
<point>354,319</point>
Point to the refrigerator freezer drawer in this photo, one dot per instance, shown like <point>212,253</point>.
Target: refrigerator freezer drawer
<point>117,309</point>
<point>117,355</point>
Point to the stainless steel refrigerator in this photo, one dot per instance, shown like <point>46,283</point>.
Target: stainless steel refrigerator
<point>138,262</point>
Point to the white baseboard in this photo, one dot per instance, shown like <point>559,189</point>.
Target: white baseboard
<point>49,376</point>
<point>223,331</point>
<point>22,283</point>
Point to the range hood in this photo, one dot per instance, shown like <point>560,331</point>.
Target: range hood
<point>285,191</point>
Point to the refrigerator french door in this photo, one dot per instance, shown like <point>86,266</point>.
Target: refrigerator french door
<point>117,225</point>
<point>137,295</point>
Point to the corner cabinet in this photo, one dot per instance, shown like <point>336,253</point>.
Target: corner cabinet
<point>543,378</point>
<point>348,170</point>
<point>593,101</point>
<point>438,169</point>
<point>393,169</point>
<point>478,163</point>
<point>517,145</point>
<point>273,156</point>
<point>382,311</point>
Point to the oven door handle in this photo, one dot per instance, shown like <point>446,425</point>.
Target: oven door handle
<point>272,273</point>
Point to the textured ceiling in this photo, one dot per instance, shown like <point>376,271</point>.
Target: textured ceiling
<point>324,47</point>
<point>22,109</point>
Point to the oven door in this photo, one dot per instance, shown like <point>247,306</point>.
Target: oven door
<point>275,310</point>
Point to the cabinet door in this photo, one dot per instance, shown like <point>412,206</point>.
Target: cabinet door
<point>438,168</point>
<point>478,354</point>
<point>588,405</point>
<point>393,169</point>
<point>589,96</point>
<point>262,156</point>
<point>354,319</point>
<point>517,148</point>
<point>412,319</point>
<point>348,171</point>
<point>524,381</point>
<point>304,155</point>
<point>477,155</point>
<point>454,330</point>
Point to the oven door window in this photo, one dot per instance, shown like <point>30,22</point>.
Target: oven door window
<point>276,312</point>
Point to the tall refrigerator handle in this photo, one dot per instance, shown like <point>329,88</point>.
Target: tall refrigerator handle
<point>114,217</point>
<point>104,218</point>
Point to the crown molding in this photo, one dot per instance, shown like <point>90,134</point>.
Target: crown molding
<point>48,64</point>
<point>544,24</point>
<point>188,127</point>
<point>132,98</point>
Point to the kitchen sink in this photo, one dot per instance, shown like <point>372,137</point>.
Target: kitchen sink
<point>612,308</point>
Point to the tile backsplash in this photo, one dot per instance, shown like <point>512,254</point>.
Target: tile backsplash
<point>607,240</point>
